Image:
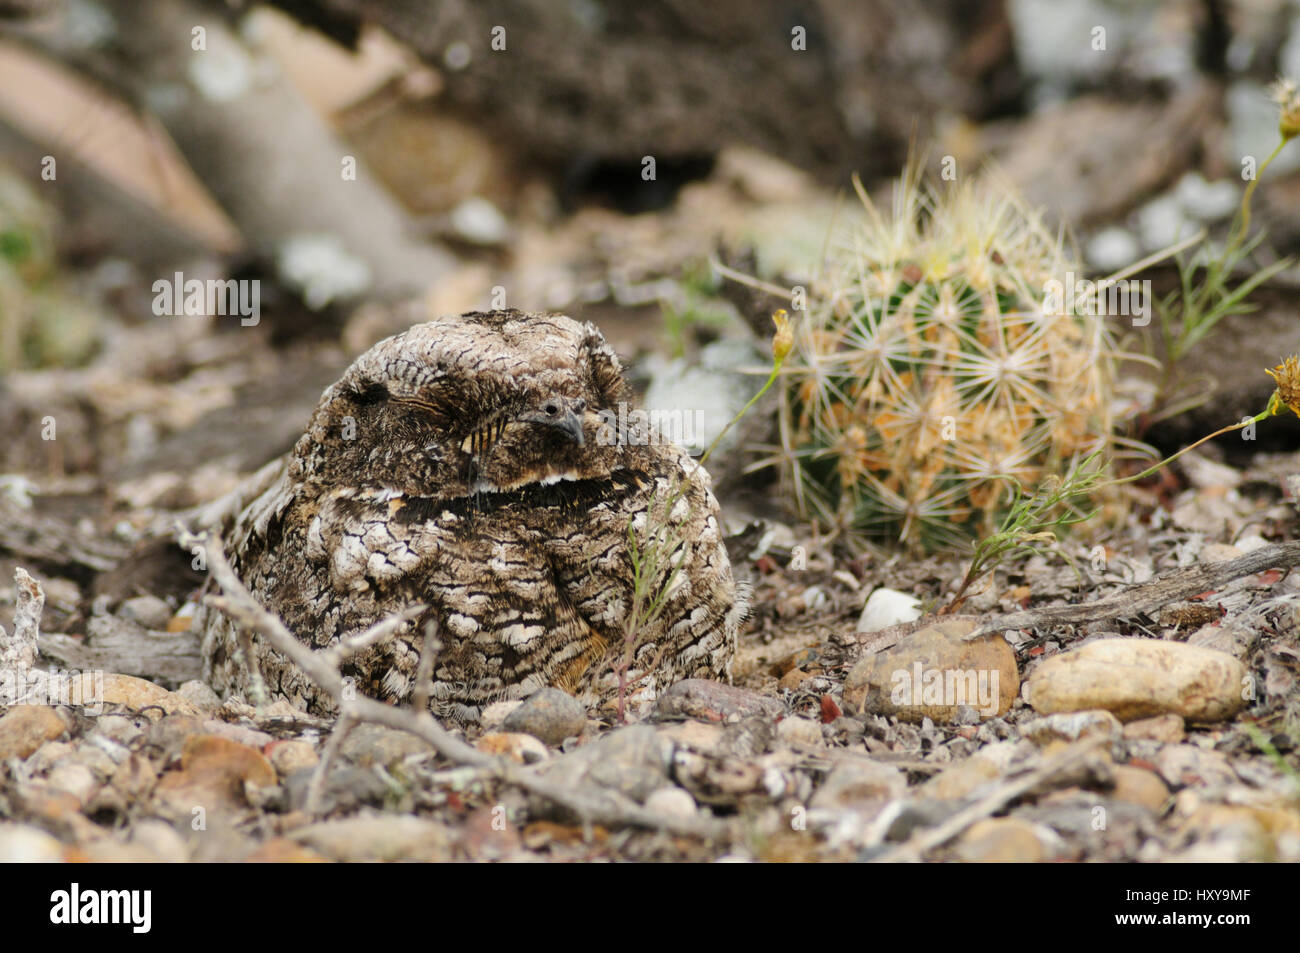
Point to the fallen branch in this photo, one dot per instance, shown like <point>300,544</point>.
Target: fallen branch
<point>602,807</point>
<point>913,849</point>
<point>18,651</point>
<point>1149,596</point>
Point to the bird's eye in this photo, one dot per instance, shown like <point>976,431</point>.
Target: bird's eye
<point>579,405</point>
<point>551,408</point>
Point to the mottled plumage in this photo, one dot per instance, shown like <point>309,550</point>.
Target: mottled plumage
<point>469,464</point>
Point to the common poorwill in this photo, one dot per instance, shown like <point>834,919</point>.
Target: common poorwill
<point>476,465</point>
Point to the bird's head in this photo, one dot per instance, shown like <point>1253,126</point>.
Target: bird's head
<point>477,403</point>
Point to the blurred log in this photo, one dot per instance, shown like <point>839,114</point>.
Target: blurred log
<point>679,80</point>
<point>272,163</point>
<point>116,645</point>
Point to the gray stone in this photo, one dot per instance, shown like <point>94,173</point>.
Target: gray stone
<point>855,781</point>
<point>712,701</point>
<point>633,761</point>
<point>367,745</point>
<point>549,715</point>
<point>149,611</point>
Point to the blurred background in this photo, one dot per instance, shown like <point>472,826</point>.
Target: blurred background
<point>374,162</point>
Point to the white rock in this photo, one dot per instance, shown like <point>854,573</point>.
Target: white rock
<point>888,607</point>
<point>477,220</point>
<point>1208,201</point>
<point>1113,248</point>
<point>322,268</point>
<point>671,802</point>
<point>1250,542</point>
<point>1162,222</point>
<point>160,839</point>
<point>690,404</point>
<point>20,844</point>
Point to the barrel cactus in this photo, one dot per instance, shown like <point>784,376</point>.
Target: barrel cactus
<point>941,353</point>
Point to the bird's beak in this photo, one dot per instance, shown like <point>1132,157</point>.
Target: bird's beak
<point>570,424</point>
<point>564,416</point>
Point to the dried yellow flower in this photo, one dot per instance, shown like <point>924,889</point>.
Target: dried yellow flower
<point>1287,376</point>
<point>1287,97</point>
<point>784,340</point>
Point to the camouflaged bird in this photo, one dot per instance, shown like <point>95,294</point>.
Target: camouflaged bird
<point>475,465</point>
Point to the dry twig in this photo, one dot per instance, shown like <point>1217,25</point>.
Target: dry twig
<point>596,807</point>
<point>915,847</point>
<point>1149,596</point>
<point>18,651</point>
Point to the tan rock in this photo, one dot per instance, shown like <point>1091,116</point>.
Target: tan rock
<point>378,837</point>
<point>1228,833</point>
<point>368,744</point>
<point>133,694</point>
<point>701,736</point>
<point>1139,786</point>
<point>548,714</point>
<point>1140,678</point>
<point>1190,766</point>
<point>48,755</point>
<point>1165,728</point>
<point>134,777</point>
<point>1274,819</point>
<point>801,731</point>
<point>708,700</point>
<point>75,779</point>
<point>515,745</point>
<point>1007,840</point>
<point>108,850</point>
<point>60,811</point>
<point>282,850</point>
<point>236,732</point>
<point>24,728</point>
<point>933,672</point>
<point>1219,552</point>
<point>792,679</point>
<point>215,772</point>
<point>200,694</point>
<point>961,779</point>
<point>290,755</point>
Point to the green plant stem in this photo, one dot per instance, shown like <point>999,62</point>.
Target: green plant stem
<point>1239,234</point>
<point>1263,415</point>
<point>771,379</point>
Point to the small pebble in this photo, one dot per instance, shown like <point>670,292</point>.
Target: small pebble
<point>24,728</point>
<point>671,802</point>
<point>549,715</point>
<point>148,611</point>
<point>801,731</point>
